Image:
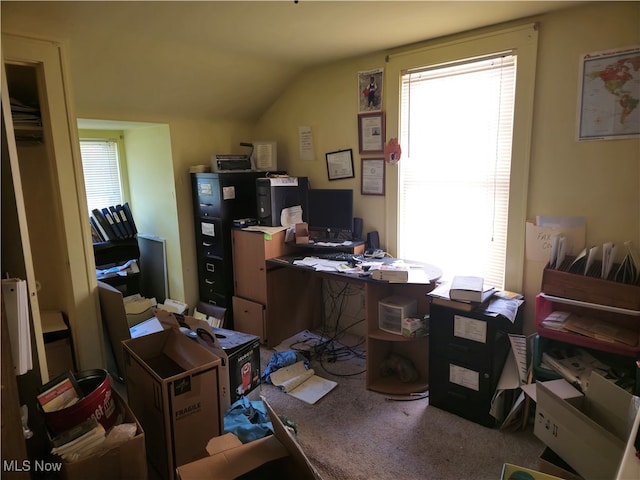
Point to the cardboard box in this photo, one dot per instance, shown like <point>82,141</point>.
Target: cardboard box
<point>302,233</point>
<point>414,327</point>
<point>125,461</point>
<point>239,354</point>
<point>551,463</point>
<point>276,456</point>
<point>590,289</point>
<point>57,343</point>
<point>173,388</point>
<point>588,431</point>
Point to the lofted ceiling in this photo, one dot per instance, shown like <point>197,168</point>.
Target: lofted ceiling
<point>231,60</point>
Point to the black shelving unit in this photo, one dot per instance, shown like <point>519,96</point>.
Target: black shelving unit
<point>118,252</point>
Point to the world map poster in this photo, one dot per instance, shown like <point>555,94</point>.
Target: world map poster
<point>609,97</point>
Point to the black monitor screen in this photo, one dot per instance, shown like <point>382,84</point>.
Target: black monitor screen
<point>330,211</point>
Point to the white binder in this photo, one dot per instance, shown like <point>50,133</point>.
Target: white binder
<point>16,301</point>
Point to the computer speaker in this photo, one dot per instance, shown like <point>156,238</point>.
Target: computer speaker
<point>357,228</point>
<point>373,240</point>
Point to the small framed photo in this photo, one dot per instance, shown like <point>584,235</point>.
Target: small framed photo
<point>371,132</point>
<point>370,90</point>
<point>372,176</point>
<point>340,164</point>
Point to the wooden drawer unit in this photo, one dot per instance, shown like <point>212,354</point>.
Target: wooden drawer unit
<point>250,253</point>
<point>249,317</point>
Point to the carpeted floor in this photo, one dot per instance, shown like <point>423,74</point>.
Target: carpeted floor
<point>356,434</point>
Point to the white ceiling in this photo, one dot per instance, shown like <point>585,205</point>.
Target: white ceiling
<point>231,60</point>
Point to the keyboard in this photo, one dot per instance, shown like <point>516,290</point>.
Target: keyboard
<point>338,256</point>
<point>328,240</point>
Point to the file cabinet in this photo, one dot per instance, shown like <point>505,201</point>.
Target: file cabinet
<point>467,351</point>
<point>218,199</point>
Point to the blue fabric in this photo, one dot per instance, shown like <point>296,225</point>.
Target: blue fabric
<point>247,420</point>
<point>282,359</point>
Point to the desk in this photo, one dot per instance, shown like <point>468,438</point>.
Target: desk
<point>294,304</point>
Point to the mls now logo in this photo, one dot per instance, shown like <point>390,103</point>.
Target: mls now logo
<point>28,466</point>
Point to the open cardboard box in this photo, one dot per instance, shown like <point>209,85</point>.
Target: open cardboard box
<point>173,389</point>
<point>127,460</point>
<point>551,463</point>
<point>276,456</point>
<point>588,431</point>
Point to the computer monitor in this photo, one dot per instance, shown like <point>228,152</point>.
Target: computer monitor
<point>330,212</point>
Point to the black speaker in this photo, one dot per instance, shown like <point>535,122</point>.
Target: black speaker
<point>373,240</point>
<point>357,228</point>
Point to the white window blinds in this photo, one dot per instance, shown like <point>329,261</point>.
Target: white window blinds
<point>101,173</point>
<point>456,122</point>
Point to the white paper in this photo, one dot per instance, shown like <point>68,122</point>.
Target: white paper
<point>609,251</point>
<point>302,383</point>
<point>305,142</point>
<point>540,237</point>
<point>519,351</point>
<point>470,328</point>
<point>465,377</point>
<point>145,328</point>
<point>265,229</point>
<point>265,155</point>
<point>291,215</point>
<point>208,229</point>
<point>228,193</point>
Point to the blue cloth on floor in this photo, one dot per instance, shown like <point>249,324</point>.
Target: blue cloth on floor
<point>282,359</point>
<point>247,420</point>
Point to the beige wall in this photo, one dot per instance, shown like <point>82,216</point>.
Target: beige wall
<point>193,143</point>
<point>599,180</point>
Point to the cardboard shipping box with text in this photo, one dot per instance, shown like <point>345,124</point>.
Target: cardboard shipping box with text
<point>173,389</point>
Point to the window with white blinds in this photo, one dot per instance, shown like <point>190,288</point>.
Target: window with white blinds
<point>456,128</point>
<point>101,172</point>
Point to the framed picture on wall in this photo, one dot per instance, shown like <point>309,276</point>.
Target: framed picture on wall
<point>371,132</point>
<point>370,90</point>
<point>340,164</point>
<point>372,182</point>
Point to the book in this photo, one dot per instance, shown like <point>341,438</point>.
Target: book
<point>391,273</point>
<point>59,393</point>
<point>82,446</point>
<point>440,296</point>
<point>298,381</point>
<point>119,211</point>
<point>115,225</point>
<point>105,227</point>
<point>74,432</point>
<point>127,212</point>
<point>117,220</point>
<point>96,236</point>
<point>468,288</point>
